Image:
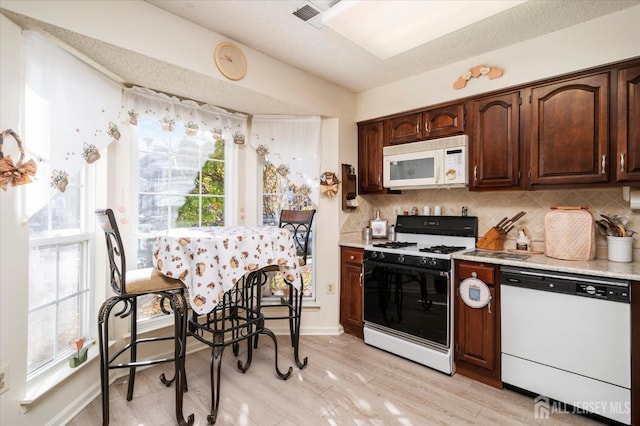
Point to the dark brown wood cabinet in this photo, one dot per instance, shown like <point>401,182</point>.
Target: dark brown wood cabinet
<point>477,330</point>
<point>627,161</point>
<point>351,290</point>
<point>436,122</point>
<point>444,121</point>
<point>569,132</point>
<point>403,129</point>
<point>370,139</point>
<point>573,131</point>
<point>495,142</point>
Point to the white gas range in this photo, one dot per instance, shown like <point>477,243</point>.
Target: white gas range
<point>407,288</point>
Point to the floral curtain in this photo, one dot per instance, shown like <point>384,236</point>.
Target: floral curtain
<point>70,115</point>
<point>292,144</point>
<point>170,110</point>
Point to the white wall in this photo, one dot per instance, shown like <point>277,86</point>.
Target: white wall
<point>607,39</point>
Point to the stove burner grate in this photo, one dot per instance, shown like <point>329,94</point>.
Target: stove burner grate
<point>442,249</point>
<point>395,244</point>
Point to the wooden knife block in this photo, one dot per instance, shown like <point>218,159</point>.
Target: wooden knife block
<point>492,240</point>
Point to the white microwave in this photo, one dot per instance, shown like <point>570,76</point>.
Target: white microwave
<point>427,164</point>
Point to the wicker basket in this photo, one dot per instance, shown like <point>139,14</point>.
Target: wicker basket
<point>569,233</point>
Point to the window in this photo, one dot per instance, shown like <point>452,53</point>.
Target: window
<point>60,294</point>
<point>281,193</point>
<point>181,183</point>
<point>289,148</point>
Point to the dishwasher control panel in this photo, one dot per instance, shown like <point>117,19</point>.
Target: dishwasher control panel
<point>614,290</point>
<point>620,294</point>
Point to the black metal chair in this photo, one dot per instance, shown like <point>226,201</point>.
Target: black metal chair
<point>128,286</point>
<point>236,318</point>
<point>299,223</point>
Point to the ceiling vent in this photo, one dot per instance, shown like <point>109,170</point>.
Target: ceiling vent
<point>306,12</point>
<point>311,12</point>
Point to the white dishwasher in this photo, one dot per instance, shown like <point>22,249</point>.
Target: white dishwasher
<point>567,337</point>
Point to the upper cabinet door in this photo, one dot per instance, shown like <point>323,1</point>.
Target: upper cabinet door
<point>445,121</point>
<point>407,128</point>
<point>628,125</point>
<point>570,132</point>
<point>370,157</point>
<point>495,141</point>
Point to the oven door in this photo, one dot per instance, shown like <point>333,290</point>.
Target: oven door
<point>406,301</point>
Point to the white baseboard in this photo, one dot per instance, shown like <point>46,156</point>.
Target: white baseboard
<point>67,413</point>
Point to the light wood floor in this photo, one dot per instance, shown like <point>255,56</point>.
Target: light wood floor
<point>345,383</point>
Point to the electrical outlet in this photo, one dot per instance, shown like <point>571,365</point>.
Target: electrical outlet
<point>4,378</point>
<point>331,288</point>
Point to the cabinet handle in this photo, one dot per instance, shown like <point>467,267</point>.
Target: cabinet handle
<point>417,127</point>
<point>352,257</point>
<point>604,164</point>
<point>489,307</point>
<point>360,279</point>
<point>475,173</point>
<point>622,162</point>
<point>379,179</point>
<point>426,126</point>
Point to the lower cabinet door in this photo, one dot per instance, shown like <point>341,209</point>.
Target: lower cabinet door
<point>477,330</point>
<point>351,291</point>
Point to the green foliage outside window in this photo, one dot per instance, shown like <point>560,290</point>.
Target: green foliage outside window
<point>206,205</point>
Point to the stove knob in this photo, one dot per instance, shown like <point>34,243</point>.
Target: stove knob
<point>423,261</point>
<point>401,259</point>
<point>374,255</point>
<point>433,262</point>
<point>380,256</point>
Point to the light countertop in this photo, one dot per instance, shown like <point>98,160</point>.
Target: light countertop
<point>597,267</point>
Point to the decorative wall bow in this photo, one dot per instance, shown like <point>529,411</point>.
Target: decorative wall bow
<point>329,184</point>
<point>18,173</point>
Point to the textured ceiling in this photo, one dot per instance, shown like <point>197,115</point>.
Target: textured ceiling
<point>270,27</point>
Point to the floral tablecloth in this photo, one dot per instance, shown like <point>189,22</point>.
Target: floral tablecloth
<point>211,261</point>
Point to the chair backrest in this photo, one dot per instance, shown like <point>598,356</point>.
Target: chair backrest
<point>298,222</point>
<point>115,250</point>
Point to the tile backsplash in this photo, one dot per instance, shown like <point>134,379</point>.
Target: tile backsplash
<point>492,206</point>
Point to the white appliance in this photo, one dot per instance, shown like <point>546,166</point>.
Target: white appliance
<point>407,291</point>
<point>568,338</point>
<point>431,163</point>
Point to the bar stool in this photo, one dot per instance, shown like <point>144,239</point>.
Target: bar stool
<point>298,222</point>
<point>128,286</point>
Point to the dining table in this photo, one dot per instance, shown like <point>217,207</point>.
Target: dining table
<point>223,270</point>
<point>211,261</point>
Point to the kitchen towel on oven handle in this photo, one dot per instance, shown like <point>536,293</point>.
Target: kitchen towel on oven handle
<point>474,292</point>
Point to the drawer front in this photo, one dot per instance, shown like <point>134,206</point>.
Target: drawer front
<point>352,255</point>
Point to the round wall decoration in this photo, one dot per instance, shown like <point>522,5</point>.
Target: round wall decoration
<point>231,61</point>
<point>474,293</point>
